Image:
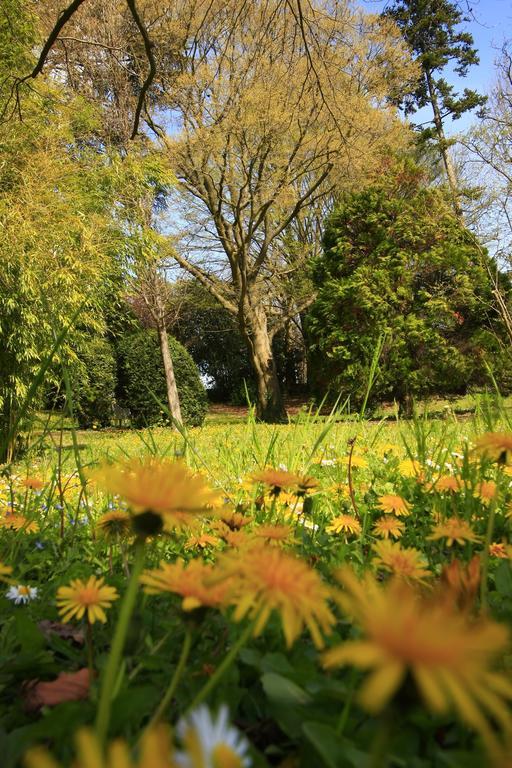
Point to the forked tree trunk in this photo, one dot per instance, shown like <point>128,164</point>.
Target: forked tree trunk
<point>448,165</point>
<point>173,399</point>
<point>269,404</point>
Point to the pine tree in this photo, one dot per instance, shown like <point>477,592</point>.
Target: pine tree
<point>430,27</point>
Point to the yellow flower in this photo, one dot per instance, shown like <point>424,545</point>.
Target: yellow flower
<point>267,579</point>
<point>279,479</point>
<point>410,468</point>
<point>237,539</point>
<point>155,752</point>
<point>196,583</point>
<point>234,519</point>
<point>486,491</point>
<point>19,523</point>
<point>357,462</point>
<point>344,523</point>
<point>453,529</point>
<point>388,526</point>
<point>447,653</point>
<point>460,583</point>
<point>396,505</point>
<point>202,541</point>
<point>89,597</point>
<point>408,563</point>
<point>161,493</point>
<point>496,446</point>
<point>5,570</point>
<point>114,524</point>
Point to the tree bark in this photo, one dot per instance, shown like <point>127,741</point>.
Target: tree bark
<point>448,166</point>
<point>173,399</point>
<point>269,404</point>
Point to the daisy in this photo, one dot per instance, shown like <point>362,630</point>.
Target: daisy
<point>407,563</point>
<point>344,524</point>
<point>393,504</point>
<point>448,655</point>
<point>88,598</point>
<point>211,742</point>
<point>21,594</point>
<point>388,526</point>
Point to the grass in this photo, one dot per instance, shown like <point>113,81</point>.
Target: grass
<point>160,660</point>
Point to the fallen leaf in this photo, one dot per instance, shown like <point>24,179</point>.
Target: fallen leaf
<point>69,686</point>
<point>65,631</point>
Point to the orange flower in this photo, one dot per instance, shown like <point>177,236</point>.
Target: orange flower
<point>462,581</point>
<point>34,483</point>
<point>452,530</point>
<point>501,550</point>
<point>89,598</point>
<point>486,491</point>
<point>408,563</point>
<point>234,519</point>
<point>344,524</point>
<point>448,655</point>
<point>202,541</point>
<point>396,505</point>
<point>273,533</point>
<point>196,583</point>
<point>266,579</point>
<point>388,526</point>
<point>18,523</point>
<point>446,483</point>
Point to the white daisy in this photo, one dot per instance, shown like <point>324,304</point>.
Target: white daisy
<point>210,742</point>
<point>21,594</point>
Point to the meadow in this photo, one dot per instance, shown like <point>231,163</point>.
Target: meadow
<point>332,592</point>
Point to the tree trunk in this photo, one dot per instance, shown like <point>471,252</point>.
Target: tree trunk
<point>448,166</point>
<point>269,405</point>
<point>173,399</point>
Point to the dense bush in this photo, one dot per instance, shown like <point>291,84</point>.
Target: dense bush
<point>93,381</point>
<point>399,266</point>
<point>142,379</point>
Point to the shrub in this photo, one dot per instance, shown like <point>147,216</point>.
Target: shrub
<point>142,380</point>
<point>93,381</point>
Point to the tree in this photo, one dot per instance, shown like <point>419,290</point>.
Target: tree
<point>261,145</point>
<point>399,267</point>
<point>429,27</point>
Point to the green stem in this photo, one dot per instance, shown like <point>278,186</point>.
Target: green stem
<point>380,746</point>
<point>485,556</point>
<point>342,722</point>
<point>90,651</point>
<point>222,668</point>
<point>178,672</point>
<point>118,641</point>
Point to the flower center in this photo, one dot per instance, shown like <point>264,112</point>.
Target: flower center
<point>224,757</point>
<point>88,596</point>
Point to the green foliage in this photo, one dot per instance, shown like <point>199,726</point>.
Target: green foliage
<point>93,383</point>
<point>397,263</point>
<point>142,379</point>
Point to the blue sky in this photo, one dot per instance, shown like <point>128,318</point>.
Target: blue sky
<point>490,26</point>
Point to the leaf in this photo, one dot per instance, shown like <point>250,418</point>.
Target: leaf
<point>334,750</point>
<point>503,578</point>
<point>69,686</point>
<point>284,691</point>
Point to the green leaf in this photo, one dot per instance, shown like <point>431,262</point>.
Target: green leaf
<point>284,691</point>
<point>503,579</point>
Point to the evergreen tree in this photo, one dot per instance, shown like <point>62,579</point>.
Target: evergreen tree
<point>399,265</point>
<point>430,29</point>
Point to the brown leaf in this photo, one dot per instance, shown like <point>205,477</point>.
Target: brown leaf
<point>65,631</point>
<point>69,686</point>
